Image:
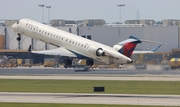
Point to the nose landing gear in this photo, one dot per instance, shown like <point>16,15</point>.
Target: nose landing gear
<point>19,37</point>
<point>67,63</point>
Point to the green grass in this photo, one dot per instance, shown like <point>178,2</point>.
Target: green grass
<point>68,105</point>
<point>86,86</point>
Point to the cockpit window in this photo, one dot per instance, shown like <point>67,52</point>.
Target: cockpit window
<point>18,22</point>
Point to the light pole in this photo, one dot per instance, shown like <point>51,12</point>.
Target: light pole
<point>48,7</point>
<point>120,5</point>
<point>42,5</point>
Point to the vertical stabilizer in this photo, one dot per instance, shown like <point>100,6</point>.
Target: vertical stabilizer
<point>127,46</point>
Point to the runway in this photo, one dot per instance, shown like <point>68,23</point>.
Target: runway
<point>61,71</point>
<point>78,98</point>
<point>96,77</point>
<point>97,74</point>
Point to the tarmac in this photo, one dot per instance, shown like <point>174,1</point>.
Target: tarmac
<point>70,71</point>
<point>86,98</point>
<point>95,77</point>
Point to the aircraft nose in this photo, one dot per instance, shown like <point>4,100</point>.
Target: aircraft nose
<point>14,26</point>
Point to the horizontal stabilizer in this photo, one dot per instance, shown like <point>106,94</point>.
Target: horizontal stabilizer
<point>144,52</point>
<point>156,48</point>
<point>148,41</point>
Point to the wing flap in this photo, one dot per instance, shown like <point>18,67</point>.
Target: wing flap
<point>59,51</point>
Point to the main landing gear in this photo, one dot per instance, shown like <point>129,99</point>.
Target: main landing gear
<point>89,62</point>
<point>67,63</point>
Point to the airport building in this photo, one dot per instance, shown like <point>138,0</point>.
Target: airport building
<point>97,30</point>
<point>143,22</point>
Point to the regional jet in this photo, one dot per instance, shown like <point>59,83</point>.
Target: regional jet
<point>72,45</point>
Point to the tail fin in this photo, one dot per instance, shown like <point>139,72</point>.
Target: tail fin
<point>128,46</point>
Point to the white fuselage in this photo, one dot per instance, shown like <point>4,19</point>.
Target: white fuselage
<point>69,41</point>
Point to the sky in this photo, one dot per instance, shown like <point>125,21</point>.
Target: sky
<point>90,9</point>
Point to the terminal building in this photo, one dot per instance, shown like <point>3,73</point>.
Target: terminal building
<point>97,30</point>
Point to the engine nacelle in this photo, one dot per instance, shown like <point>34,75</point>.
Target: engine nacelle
<point>117,47</point>
<point>96,51</point>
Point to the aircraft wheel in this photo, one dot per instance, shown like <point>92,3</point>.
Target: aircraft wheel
<point>68,62</point>
<point>89,62</point>
<point>19,37</point>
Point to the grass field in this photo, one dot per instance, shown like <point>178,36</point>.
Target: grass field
<point>67,105</point>
<point>86,86</point>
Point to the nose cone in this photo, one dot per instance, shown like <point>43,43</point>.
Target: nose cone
<point>14,26</point>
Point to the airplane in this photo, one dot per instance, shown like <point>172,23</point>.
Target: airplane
<point>74,46</point>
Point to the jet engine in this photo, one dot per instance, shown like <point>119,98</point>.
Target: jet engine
<point>96,51</point>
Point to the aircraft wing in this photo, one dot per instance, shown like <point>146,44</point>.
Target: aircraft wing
<point>59,51</point>
<point>144,52</point>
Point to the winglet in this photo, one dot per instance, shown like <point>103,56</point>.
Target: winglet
<point>29,49</point>
<point>154,49</point>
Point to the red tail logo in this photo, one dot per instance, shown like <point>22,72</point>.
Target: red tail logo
<point>128,49</point>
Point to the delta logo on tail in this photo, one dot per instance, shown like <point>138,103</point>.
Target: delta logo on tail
<point>129,45</point>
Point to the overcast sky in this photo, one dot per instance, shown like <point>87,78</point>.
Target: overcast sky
<point>91,9</point>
